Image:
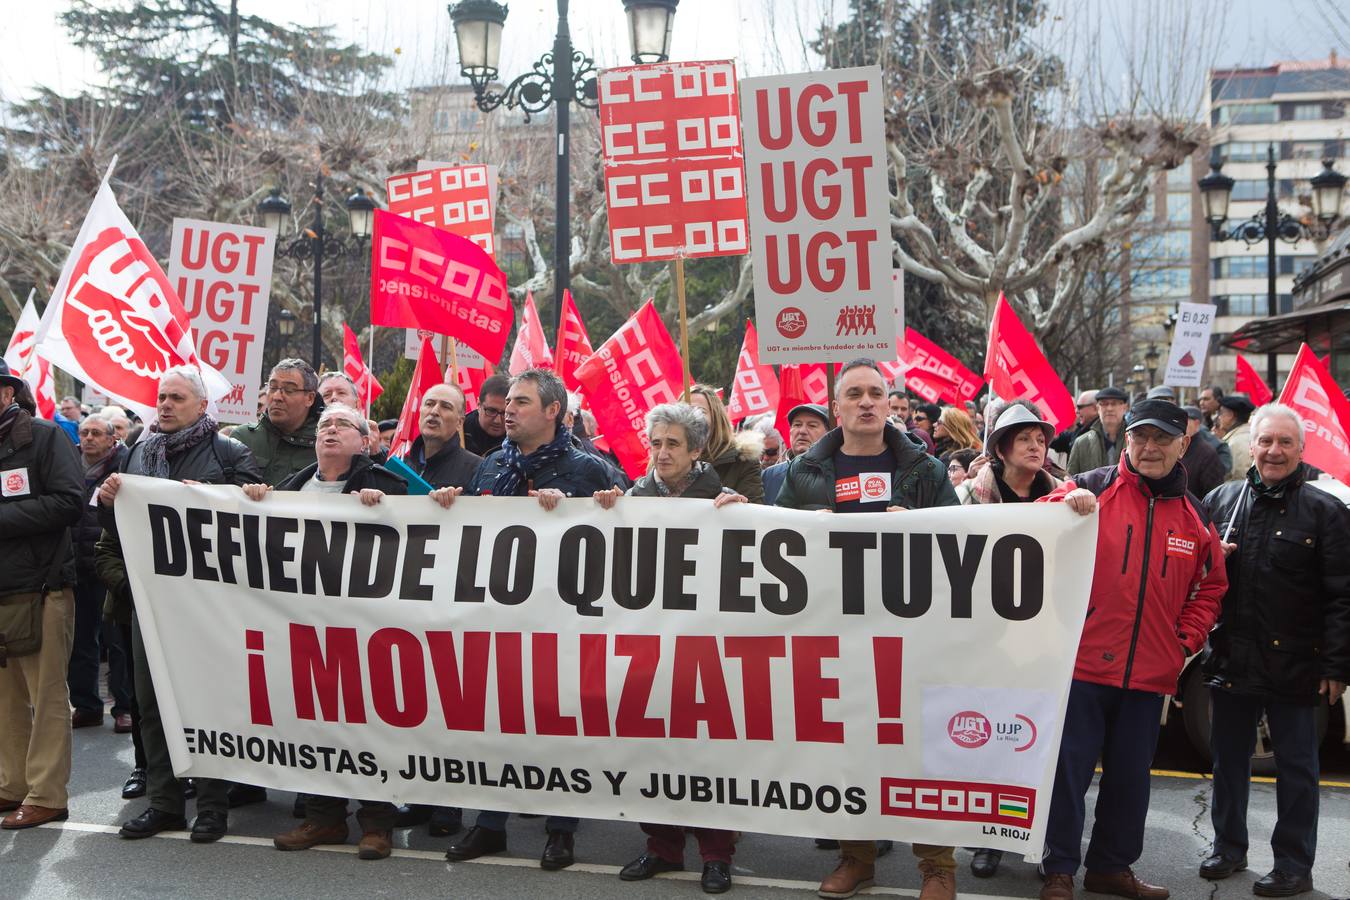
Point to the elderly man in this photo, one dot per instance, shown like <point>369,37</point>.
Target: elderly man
<point>120,422</point>
<point>336,387</point>
<point>1234,411</point>
<point>772,454</point>
<point>1086,406</point>
<point>183,446</point>
<point>41,500</point>
<point>102,455</point>
<point>485,427</point>
<point>1100,444</point>
<point>1155,594</point>
<point>807,423</point>
<point>1209,401</point>
<point>436,455</point>
<point>863,446</point>
<point>1281,648</point>
<point>282,441</point>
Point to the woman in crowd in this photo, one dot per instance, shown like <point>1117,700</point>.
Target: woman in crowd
<point>734,456</point>
<point>678,435</point>
<point>1016,471</point>
<point>954,431</point>
<point>958,465</point>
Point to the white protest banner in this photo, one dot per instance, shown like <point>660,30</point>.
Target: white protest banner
<point>815,169</point>
<point>223,274</point>
<point>1190,344</point>
<point>748,668</point>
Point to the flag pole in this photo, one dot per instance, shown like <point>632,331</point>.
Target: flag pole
<point>107,176</point>
<point>370,368</point>
<point>454,379</point>
<point>684,323</point>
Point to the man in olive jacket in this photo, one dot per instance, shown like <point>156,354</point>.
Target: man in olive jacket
<point>41,485</point>
<point>282,441</point>
<point>1281,647</point>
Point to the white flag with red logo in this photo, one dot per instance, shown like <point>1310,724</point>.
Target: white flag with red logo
<point>1316,397</point>
<point>25,364</point>
<point>368,387</point>
<point>531,350</point>
<point>114,320</point>
<point>755,390</point>
<point>574,344</point>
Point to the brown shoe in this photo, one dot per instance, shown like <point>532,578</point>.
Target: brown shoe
<point>851,876</point>
<point>1058,886</point>
<point>307,834</point>
<point>939,883</point>
<point>122,723</point>
<point>86,718</point>
<point>32,816</point>
<point>9,805</point>
<point>1123,884</point>
<point>375,845</point>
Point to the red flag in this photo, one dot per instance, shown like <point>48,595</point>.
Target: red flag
<point>798,384</point>
<point>422,277</point>
<point>25,364</point>
<point>426,376</point>
<point>531,349</point>
<point>755,389</point>
<point>114,320</point>
<point>368,387</point>
<point>574,345</point>
<point>1017,370</point>
<point>1250,382</point>
<point>935,374</point>
<point>1317,398</point>
<point>638,368</point>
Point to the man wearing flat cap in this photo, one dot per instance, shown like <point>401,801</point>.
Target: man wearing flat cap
<point>1100,445</point>
<point>1234,411</point>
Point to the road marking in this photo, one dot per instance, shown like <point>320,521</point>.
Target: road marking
<point>1259,779</point>
<point>512,862</point>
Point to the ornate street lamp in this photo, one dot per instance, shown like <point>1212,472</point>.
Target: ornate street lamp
<point>1151,359</point>
<point>558,79</point>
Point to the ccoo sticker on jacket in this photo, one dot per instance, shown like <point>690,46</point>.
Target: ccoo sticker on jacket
<point>14,482</point>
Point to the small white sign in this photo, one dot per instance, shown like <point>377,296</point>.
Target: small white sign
<point>1190,344</point>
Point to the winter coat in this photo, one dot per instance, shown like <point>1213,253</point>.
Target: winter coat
<point>1089,449</point>
<point>1157,582</point>
<point>88,531</point>
<point>1218,446</point>
<point>280,455</point>
<point>1239,442</point>
<point>739,469</point>
<point>1285,623</point>
<point>772,479</point>
<point>1063,441</point>
<point>706,485</point>
<point>363,474</point>
<point>1204,470</point>
<point>918,482</point>
<point>574,473</point>
<point>453,466</point>
<point>983,488</point>
<point>40,471</point>
<point>476,440</point>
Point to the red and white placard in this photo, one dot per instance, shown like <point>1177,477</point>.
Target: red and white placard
<point>674,172</point>
<point>815,163</point>
<point>458,199</point>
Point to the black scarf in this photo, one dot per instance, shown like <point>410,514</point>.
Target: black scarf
<point>159,448</point>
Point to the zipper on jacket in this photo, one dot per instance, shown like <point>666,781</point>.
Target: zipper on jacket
<point>1125,563</point>
<point>1143,589</point>
<point>1165,554</point>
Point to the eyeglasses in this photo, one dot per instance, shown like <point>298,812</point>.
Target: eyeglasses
<point>91,432</point>
<point>1157,438</point>
<point>337,424</point>
<point>919,417</point>
<point>488,412</point>
<point>289,390</point>
<point>955,467</point>
<point>770,454</point>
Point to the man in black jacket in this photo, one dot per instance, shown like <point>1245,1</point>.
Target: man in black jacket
<point>436,455</point>
<point>40,499</point>
<point>485,427</point>
<point>1281,647</point>
<point>183,446</point>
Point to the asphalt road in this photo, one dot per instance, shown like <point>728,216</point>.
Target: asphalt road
<point>84,858</point>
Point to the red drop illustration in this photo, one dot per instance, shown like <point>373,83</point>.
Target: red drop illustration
<point>1187,360</point>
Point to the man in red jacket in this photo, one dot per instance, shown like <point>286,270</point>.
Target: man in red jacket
<point>1155,595</point>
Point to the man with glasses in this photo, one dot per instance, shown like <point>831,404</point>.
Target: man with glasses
<point>485,427</point>
<point>1086,414</point>
<point>1155,594</point>
<point>282,441</point>
<point>1100,444</point>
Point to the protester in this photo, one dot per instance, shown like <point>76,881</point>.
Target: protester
<point>102,455</point>
<point>71,409</point>
<point>485,427</point>
<point>1016,470</point>
<point>1234,411</point>
<point>1209,401</point>
<point>121,423</point>
<point>1085,414</point>
<point>1281,648</point>
<point>772,454</point>
<point>1101,443</point>
<point>734,455</point>
<point>41,502</point>
<point>678,435</point>
<point>183,446</point>
<point>953,430</point>
<point>1204,469</point>
<point>341,466</point>
<point>387,427</point>
<point>957,468</point>
<point>337,387</point>
<point>807,423</point>
<point>282,441</point>
<point>897,401</point>
<point>436,454</point>
<point>829,476</point>
<point>1155,594</point>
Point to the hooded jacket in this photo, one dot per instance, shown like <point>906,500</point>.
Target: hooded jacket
<point>918,482</point>
<point>281,455</point>
<point>1157,582</point>
<point>739,469</point>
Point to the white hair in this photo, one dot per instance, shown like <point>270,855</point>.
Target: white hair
<point>101,419</point>
<point>342,409</point>
<point>764,425</point>
<point>1276,409</point>
<point>191,375</point>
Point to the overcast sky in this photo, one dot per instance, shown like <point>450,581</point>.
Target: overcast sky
<point>763,35</point>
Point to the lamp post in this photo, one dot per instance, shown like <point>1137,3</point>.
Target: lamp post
<point>1151,360</point>
<point>286,329</point>
<point>317,243</point>
<point>559,78</point>
<point>1270,224</point>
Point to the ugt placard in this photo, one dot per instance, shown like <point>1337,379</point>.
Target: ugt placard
<point>815,157</point>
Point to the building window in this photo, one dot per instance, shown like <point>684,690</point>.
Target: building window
<point>1242,151</point>
<point>1248,114</point>
<point>441,121</point>
<point>1167,245</point>
<point>1161,283</point>
<point>1255,266</point>
<point>1307,112</point>
<point>1250,304</point>
<point>1179,179</point>
<point>1178,208</point>
<point>1306,150</point>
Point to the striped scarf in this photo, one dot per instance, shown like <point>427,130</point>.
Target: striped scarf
<point>517,468</point>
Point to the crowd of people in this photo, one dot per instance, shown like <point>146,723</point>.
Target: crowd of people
<point>1209,537</point>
